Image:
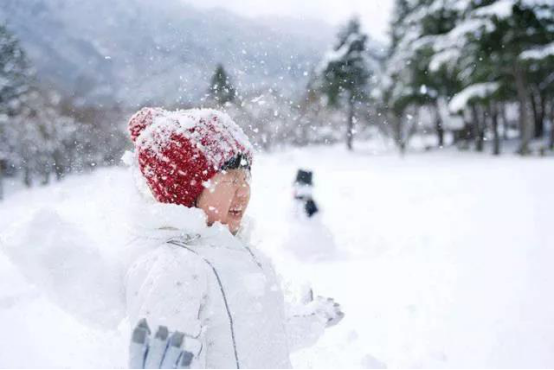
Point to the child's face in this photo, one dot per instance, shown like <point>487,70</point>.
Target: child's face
<point>225,198</point>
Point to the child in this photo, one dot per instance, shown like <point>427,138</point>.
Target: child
<point>198,276</point>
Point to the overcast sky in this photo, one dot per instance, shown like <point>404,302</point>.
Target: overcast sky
<point>374,14</point>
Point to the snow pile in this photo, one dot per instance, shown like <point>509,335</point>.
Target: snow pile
<point>476,91</point>
<point>539,53</point>
<point>57,256</point>
<point>309,239</point>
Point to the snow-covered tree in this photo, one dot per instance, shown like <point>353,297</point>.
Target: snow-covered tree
<point>487,43</point>
<point>268,117</point>
<point>15,72</point>
<point>433,87</point>
<point>397,91</point>
<point>344,73</point>
<point>444,50</point>
<point>318,122</point>
<point>39,134</point>
<point>15,78</point>
<point>221,89</point>
<point>539,62</point>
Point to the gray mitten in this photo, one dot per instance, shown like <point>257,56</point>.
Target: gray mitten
<point>163,351</point>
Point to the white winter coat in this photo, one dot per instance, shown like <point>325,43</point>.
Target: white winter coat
<point>210,285</point>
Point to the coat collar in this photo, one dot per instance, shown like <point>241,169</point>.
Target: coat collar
<point>163,222</point>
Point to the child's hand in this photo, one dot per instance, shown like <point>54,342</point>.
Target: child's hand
<point>328,309</point>
<point>308,320</point>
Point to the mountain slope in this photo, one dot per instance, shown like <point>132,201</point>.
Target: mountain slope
<point>137,52</point>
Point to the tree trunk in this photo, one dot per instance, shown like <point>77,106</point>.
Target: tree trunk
<point>59,172</point>
<point>505,123</point>
<point>58,166</point>
<point>468,131</point>
<point>1,179</point>
<point>537,104</point>
<point>350,124</point>
<point>439,128</point>
<point>534,110</point>
<point>495,133</point>
<point>481,130</point>
<point>45,177</point>
<point>526,128</point>
<point>474,119</point>
<point>440,133</point>
<point>396,126</point>
<point>551,144</point>
<point>542,110</point>
<point>27,177</point>
<point>478,129</point>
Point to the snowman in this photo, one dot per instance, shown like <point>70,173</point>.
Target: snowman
<point>308,238</point>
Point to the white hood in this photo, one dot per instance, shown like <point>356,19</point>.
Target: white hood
<point>163,222</point>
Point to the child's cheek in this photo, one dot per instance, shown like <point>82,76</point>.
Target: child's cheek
<point>224,197</point>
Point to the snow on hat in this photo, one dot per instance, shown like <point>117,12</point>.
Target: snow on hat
<point>179,151</point>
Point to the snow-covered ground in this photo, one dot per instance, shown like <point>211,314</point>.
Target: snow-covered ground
<point>442,260</point>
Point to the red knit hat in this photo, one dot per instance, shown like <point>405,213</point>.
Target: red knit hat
<point>179,151</point>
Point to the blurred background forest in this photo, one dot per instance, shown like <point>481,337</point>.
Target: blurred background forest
<point>473,74</point>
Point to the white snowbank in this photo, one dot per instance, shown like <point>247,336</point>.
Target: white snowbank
<point>308,238</point>
<point>59,258</point>
<point>481,90</point>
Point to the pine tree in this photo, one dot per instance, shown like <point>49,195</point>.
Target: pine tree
<point>221,89</point>
<point>396,87</point>
<point>410,82</point>
<point>537,60</point>
<point>15,73</point>
<point>344,73</point>
<point>15,79</point>
<point>433,87</point>
<point>501,46</point>
<point>488,42</point>
<point>402,9</point>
